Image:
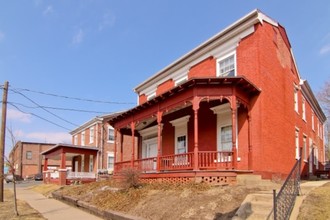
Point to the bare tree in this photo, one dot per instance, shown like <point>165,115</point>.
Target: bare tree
<point>324,99</point>
<point>11,165</point>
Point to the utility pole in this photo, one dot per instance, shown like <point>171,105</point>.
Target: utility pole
<point>2,137</point>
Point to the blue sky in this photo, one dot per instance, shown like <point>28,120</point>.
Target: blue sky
<point>101,50</point>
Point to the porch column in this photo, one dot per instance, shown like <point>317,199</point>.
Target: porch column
<point>115,153</point>
<point>45,173</point>
<point>62,170</point>
<point>121,147</point>
<point>133,143</point>
<point>250,162</point>
<point>195,108</point>
<point>159,140</point>
<point>234,120</point>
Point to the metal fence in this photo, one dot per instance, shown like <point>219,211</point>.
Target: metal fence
<point>285,199</point>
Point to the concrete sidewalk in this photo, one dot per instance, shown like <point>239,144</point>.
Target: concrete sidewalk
<point>306,188</point>
<point>51,208</point>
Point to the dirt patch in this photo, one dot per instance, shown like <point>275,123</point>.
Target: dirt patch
<point>316,205</point>
<point>25,211</point>
<point>162,201</point>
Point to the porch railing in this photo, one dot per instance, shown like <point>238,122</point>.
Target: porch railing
<point>285,199</point>
<point>177,162</point>
<point>207,160</point>
<point>215,160</point>
<point>80,175</point>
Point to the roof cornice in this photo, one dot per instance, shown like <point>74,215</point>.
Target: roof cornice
<point>309,95</point>
<point>249,20</point>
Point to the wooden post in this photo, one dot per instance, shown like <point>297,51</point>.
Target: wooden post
<point>133,143</point>
<point>250,162</point>
<point>2,137</point>
<point>234,121</point>
<point>195,108</point>
<point>115,153</point>
<point>159,140</point>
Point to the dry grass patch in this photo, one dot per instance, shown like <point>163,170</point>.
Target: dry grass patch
<point>25,211</point>
<point>45,189</point>
<point>316,205</point>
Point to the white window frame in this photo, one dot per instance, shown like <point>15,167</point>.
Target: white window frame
<point>112,155</point>
<point>82,138</point>
<point>75,140</point>
<point>222,58</point>
<point>91,134</point>
<point>181,129</point>
<point>110,128</point>
<point>91,163</point>
<point>296,100</point>
<point>303,109</point>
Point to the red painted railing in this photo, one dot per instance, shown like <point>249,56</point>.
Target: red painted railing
<point>177,162</point>
<point>207,160</point>
<point>215,160</point>
<point>146,164</point>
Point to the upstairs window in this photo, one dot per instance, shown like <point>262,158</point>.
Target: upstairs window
<point>313,121</point>
<point>91,135</point>
<point>111,134</point>
<point>303,110</point>
<point>296,99</point>
<point>29,155</point>
<point>75,140</point>
<point>83,138</point>
<point>227,66</point>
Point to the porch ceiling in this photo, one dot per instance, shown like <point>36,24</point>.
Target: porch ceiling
<point>152,106</point>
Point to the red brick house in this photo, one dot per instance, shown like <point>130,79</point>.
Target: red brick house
<point>234,104</point>
<point>27,159</point>
<point>98,133</point>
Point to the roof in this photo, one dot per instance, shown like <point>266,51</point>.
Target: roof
<point>254,17</point>
<point>94,120</point>
<point>239,81</point>
<point>68,146</point>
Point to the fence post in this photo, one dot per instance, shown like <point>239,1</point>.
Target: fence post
<point>274,203</point>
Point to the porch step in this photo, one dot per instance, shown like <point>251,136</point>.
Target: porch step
<point>255,206</point>
<point>255,181</point>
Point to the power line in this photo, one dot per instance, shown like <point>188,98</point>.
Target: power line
<point>30,113</point>
<point>45,109</point>
<point>74,98</point>
<point>59,108</point>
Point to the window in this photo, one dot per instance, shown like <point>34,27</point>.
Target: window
<point>151,96</point>
<point>297,144</point>
<point>29,155</point>
<point>182,144</point>
<point>181,80</point>
<point>111,161</point>
<point>91,135</point>
<point>305,147</point>
<point>75,140</point>
<point>227,66</point>
<point>226,138</point>
<point>296,99</point>
<point>91,163</point>
<point>303,110</point>
<point>83,138</point>
<point>111,134</point>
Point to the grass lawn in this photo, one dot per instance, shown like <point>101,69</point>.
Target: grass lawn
<point>317,204</point>
<point>25,211</point>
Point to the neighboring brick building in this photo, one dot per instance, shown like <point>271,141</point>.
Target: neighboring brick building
<point>235,103</point>
<point>98,133</point>
<point>27,159</point>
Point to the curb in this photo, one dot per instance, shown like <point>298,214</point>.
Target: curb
<point>106,214</point>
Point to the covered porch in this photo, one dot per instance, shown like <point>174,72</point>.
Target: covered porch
<point>83,164</point>
<point>193,128</point>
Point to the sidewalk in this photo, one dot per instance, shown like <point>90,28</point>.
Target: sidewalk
<point>306,188</point>
<point>51,208</point>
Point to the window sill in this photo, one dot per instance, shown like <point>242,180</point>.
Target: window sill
<point>110,142</point>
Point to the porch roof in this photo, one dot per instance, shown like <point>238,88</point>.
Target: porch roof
<point>70,149</point>
<point>239,81</point>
